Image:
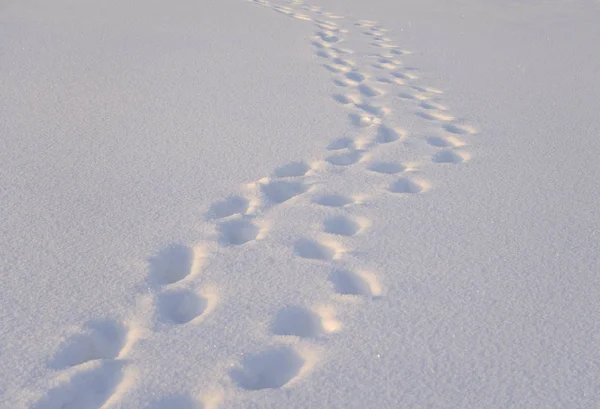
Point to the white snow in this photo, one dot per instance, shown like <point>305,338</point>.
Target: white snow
<point>274,204</point>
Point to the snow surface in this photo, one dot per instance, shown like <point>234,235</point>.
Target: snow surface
<point>345,204</point>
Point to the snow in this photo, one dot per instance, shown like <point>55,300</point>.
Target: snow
<point>248,204</point>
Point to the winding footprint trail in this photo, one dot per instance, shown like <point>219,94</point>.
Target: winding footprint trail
<point>92,366</point>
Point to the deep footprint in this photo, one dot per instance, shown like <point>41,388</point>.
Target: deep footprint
<point>228,207</point>
<point>311,249</point>
<point>89,389</point>
<point>346,282</point>
<point>237,232</point>
<point>171,264</point>
<point>281,191</point>
<point>403,185</point>
<point>181,306</point>
<point>341,225</point>
<point>270,369</point>
<point>102,339</point>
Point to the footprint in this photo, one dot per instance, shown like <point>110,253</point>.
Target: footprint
<point>182,306</point>
<point>323,53</point>
<point>329,37</point>
<point>444,141</point>
<point>374,109</point>
<point>356,77</point>
<point>102,339</point>
<point>404,185</point>
<point>433,105</point>
<point>346,99</point>
<point>449,156</point>
<point>304,323</point>
<point>336,68</point>
<point>228,207</point>
<point>435,115</point>
<point>428,89</point>
<point>363,120</point>
<point>346,159</point>
<point>294,169</point>
<point>369,91</point>
<point>343,225</point>
<point>311,249</point>
<point>389,168</point>
<point>460,129</point>
<point>90,388</point>
<point>404,75</point>
<point>269,369</point>
<point>413,96</point>
<point>341,143</point>
<point>386,134</point>
<point>332,200</point>
<point>281,191</point>
<point>172,264</point>
<point>176,402</point>
<point>360,283</point>
<point>343,62</point>
<point>238,232</point>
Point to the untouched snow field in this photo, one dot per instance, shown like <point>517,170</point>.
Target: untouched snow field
<point>339,204</point>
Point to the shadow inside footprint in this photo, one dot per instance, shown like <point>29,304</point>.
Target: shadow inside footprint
<point>268,369</point>
<point>85,390</point>
<point>102,339</point>
<point>332,200</point>
<point>293,169</point>
<point>386,134</point>
<point>406,186</point>
<point>228,207</point>
<point>176,402</point>
<point>237,232</point>
<point>314,250</point>
<point>448,156</point>
<point>171,264</point>
<point>181,306</point>
<point>345,159</point>
<point>389,168</point>
<point>339,144</point>
<point>341,225</point>
<point>349,283</point>
<point>297,321</point>
<point>281,191</point>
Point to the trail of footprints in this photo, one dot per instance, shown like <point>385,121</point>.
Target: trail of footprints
<point>91,367</point>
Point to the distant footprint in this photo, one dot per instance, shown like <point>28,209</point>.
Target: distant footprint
<point>346,159</point>
<point>346,282</point>
<point>238,232</point>
<point>341,143</point>
<point>386,134</point>
<point>356,77</point>
<point>269,369</point>
<point>315,250</point>
<point>333,200</point>
<point>444,141</point>
<point>389,168</point>
<point>182,306</point>
<point>280,191</point>
<point>294,169</point>
<point>91,388</point>
<point>344,225</point>
<point>304,323</point>
<point>228,207</point>
<point>435,115</point>
<point>176,402</point>
<point>404,185</point>
<point>172,264</point>
<point>369,91</point>
<point>102,339</point>
<point>460,129</point>
<point>450,156</point>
